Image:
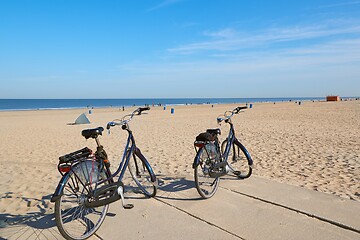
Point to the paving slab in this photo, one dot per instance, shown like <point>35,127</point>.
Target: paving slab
<point>250,218</point>
<point>152,219</point>
<point>327,207</point>
<point>255,208</point>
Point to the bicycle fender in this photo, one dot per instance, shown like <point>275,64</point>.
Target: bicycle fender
<point>245,151</point>
<point>59,189</point>
<point>197,158</point>
<point>143,159</point>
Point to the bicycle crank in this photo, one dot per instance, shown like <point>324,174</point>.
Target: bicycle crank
<point>120,192</point>
<point>104,195</point>
<point>218,170</point>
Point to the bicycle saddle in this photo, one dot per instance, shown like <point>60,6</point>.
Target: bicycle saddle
<point>92,133</point>
<point>215,131</point>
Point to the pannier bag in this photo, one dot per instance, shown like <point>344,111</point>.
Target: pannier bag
<point>205,137</point>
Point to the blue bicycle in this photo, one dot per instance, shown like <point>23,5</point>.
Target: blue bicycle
<point>87,186</point>
<point>212,162</point>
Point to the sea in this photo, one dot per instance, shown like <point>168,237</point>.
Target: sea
<point>46,104</point>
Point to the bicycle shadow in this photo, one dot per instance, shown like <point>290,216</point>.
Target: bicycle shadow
<point>42,205</point>
<point>232,177</point>
<point>131,190</point>
<point>177,189</point>
<point>31,225</point>
<point>182,189</point>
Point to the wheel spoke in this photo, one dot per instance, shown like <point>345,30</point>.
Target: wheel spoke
<point>205,185</point>
<point>141,175</point>
<point>237,161</point>
<point>73,219</point>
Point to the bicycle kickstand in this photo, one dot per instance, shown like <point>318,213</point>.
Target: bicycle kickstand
<point>120,191</point>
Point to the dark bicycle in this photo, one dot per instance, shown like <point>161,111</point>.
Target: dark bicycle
<point>87,186</point>
<point>211,162</point>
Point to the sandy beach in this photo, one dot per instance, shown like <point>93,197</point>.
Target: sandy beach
<point>314,145</point>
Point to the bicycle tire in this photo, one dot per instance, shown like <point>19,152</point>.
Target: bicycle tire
<point>73,219</point>
<point>238,161</point>
<point>205,185</point>
<point>140,173</point>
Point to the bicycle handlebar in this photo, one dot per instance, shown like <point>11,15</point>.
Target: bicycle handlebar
<point>226,117</point>
<point>124,121</point>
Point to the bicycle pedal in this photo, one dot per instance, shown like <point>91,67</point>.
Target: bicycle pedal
<point>128,206</point>
<point>120,191</point>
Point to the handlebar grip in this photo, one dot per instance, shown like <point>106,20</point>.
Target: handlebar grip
<point>219,119</point>
<point>110,124</point>
<point>141,109</point>
<point>238,109</point>
<point>144,108</point>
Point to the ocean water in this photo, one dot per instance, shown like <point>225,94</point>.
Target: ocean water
<point>40,104</point>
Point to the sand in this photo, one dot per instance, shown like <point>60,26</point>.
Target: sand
<point>314,145</point>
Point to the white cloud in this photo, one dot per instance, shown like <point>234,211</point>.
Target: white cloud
<point>291,63</point>
<point>224,33</point>
<point>268,63</point>
<point>229,39</point>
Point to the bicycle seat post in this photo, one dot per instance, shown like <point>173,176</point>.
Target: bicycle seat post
<point>97,141</point>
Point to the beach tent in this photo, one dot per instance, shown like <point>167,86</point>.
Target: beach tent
<point>82,119</point>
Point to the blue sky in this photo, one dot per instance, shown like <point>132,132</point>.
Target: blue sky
<point>179,48</point>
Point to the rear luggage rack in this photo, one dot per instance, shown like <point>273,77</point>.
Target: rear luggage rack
<point>66,161</point>
<point>82,153</point>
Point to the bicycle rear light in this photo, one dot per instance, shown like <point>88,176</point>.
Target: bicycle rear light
<point>199,144</point>
<point>64,168</point>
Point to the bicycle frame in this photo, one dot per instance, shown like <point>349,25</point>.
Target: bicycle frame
<point>232,141</point>
<point>224,156</point>
<point>87,186</point>
<point>129,150</point>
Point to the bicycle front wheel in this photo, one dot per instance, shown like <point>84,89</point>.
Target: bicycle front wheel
<point>73,219</point>
<point>237,161</point>
<point>141,173</point>
<point>205,185</point>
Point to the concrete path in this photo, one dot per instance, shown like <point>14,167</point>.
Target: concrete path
<point>254,208</point>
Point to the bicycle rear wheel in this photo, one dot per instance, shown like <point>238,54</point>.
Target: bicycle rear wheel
<point>73,219</point>
<point>141,173</point>
<point>237,161</point>
<point>205,185</point>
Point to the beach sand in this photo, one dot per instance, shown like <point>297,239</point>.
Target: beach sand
<point>314,145</point>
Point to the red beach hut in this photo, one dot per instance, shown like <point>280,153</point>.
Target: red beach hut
<point>332,98</point>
